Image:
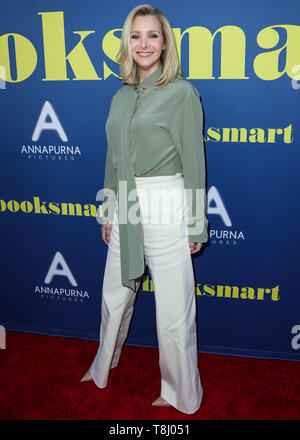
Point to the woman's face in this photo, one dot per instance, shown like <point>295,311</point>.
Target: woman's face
<point>146,42</point>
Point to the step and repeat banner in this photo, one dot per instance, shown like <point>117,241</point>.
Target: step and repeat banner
<point>58,74</point>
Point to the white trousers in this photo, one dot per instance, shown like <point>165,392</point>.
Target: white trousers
<point>167,254</point>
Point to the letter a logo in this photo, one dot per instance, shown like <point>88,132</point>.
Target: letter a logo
<point>54,124</point>
<point>213,196</point>
<point>64,271</point>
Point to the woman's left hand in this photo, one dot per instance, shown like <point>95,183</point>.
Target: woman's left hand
<point>195,247</point>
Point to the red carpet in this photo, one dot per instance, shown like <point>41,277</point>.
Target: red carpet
<point>40,379</point>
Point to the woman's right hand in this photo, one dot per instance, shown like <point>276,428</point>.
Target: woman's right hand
<point>106,229</point>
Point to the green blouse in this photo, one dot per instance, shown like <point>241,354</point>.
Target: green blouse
<point>151,131</point>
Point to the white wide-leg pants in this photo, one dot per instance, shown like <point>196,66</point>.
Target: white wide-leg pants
<point>167,254</point>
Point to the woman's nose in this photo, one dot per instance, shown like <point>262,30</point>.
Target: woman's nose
<point>144,42</point>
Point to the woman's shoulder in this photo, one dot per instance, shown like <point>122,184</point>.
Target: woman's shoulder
<point>184,86</point>
<point>122,90</point>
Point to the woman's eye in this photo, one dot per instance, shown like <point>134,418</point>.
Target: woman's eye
<point>152,36</point>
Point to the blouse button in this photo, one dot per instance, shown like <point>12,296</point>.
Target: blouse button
<point>145,90</point>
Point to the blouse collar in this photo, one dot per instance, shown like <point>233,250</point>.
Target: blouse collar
<point>150,80</point>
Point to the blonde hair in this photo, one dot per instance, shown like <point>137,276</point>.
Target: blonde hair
<point>169,58</point>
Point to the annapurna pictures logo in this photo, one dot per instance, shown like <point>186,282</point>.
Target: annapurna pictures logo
<point>48,120</point>
<point>60,268</point>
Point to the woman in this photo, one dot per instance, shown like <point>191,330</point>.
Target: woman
<point>154,133</point>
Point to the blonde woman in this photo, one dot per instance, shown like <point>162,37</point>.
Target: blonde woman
<point>155,143</point>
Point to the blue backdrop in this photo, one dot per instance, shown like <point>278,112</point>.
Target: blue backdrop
<point>58,74</point>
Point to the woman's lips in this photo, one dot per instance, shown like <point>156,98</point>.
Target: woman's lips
<point>144,54</point>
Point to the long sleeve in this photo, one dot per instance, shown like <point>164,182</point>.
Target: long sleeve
<point>186,131</point>
<point>109,187</point>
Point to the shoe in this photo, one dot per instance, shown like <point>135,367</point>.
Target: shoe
<point>87,377</point>
<point>160,402</point>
